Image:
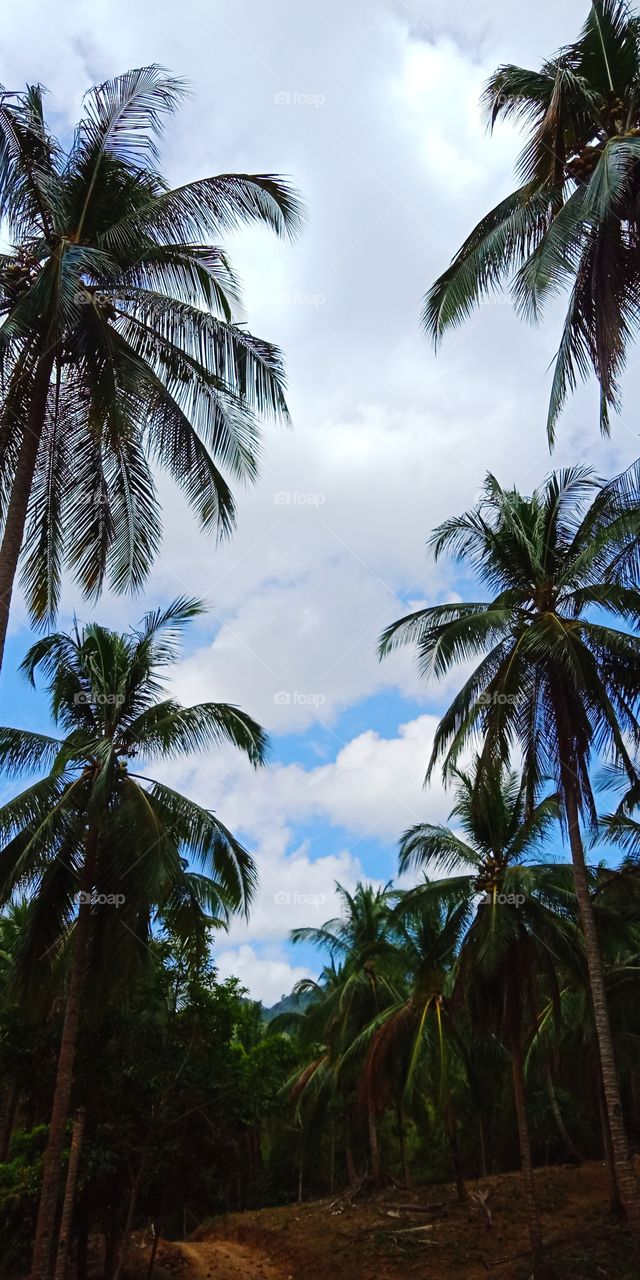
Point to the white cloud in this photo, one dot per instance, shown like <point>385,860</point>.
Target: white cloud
<point>266,979</point>
<point>372,790</point>
<point>396,166</point>
<point>373,787</point>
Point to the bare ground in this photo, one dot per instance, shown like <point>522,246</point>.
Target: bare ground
<point>398,1235</point>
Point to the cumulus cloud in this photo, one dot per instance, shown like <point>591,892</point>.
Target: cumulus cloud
<point>372,107</point>
<point>266,978</point>
<point>368,794</point>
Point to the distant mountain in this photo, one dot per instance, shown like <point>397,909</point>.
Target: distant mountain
<point>288,1004</point>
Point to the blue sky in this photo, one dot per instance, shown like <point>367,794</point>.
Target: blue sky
<point>373,109</point>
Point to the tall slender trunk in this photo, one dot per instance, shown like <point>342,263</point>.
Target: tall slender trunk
<point>625,1175</point>
<point>128,1226</point>
<point>526,1165</point>
<point>373,1141</point>
<point>8,1119</point>
<point>21,490</point>
<point>111,1237</point>
<point>635,1103</point>
<point>406,1176</point>
<point>452,1135</point>
<point>570,1146</point>
<point>47,1208</point>
<point>348,1153</point>
<point>82,1253</point>
<point>154,1248</point>
<point>332,1157</point>
<point>615,1203</point>
<point>69,1201</point>
<point>483,1152</point>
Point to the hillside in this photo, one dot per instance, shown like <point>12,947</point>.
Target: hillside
<point>401,1236</point>
<point>287,1004</point>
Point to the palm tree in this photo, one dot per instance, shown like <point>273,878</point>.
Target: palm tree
<point>12,924</point>
<point>118,344</point>
<point>410,1042</point>
<point>516,934</point>
<point>100,848</point>
<point>551,679</point>
<point>356,988</point>
<point>573,222</point>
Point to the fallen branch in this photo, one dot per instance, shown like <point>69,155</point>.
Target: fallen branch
<point>405,1231</point>
<point>511,1257</point>
<point>478,1201</point>
<point>349,1194</point>
<point>408,1208</point>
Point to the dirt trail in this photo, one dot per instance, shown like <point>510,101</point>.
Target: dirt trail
<point>226,1260</point>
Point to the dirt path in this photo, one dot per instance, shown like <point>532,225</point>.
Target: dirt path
<point>226,1260</point>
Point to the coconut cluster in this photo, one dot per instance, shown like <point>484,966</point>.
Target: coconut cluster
<point>580,166</point>
<point>18,275</point>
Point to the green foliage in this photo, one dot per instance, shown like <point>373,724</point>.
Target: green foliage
<point>167,858</point>
<point>573,223</point>
<point>19,1188</point>
<point>114,298</point>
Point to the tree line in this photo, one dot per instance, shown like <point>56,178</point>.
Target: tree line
<point>122,349</point>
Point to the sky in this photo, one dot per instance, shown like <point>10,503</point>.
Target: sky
<point>372,109</point>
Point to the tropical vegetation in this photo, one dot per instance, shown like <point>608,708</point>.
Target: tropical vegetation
<point>572,222</point>
<point>479,1014</point>
<point>122,346</point>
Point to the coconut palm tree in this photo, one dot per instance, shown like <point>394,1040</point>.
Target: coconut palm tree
<point>551,678</point>
<point>573,221</point>
<point>355,989</point>
<point>100,848</point>
<point>407,1047</point>
<point>516,933</point>
<point>120,343</point>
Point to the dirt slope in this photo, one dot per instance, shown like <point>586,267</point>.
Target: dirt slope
<point>227,1260</point>
<point>421,1235</point>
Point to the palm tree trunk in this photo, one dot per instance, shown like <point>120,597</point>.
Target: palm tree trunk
<point>615,1203</point>
<point>70,1194</point>
<point>21,491</point>
<point>406,1176</point>
<point>348,1153</point>
<point>126,1235</point>
<point>481,1144</point>
<point>625,1175</point>
<point>526,1165</point>
<point>373,1142</point>
<point>82,1252</point>
<point>452,1135</point>
<point>47,1208</point>
<point>571,1148</point>
<point>111,1237</point>
<point>10,1108</point>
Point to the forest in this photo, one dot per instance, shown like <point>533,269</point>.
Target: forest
<point>464,1045</point>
